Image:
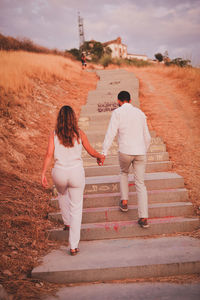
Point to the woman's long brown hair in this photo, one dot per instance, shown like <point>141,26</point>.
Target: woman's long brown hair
<point>67,127</point>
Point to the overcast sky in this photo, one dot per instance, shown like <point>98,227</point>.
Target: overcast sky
<point>145,26</point>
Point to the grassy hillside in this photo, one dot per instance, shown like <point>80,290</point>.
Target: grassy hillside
<point>33,87</point>
<point>188,79</point>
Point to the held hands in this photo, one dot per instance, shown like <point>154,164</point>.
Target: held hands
<point>100,160</point>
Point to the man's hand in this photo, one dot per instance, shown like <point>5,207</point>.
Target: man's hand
<point>100,160</point>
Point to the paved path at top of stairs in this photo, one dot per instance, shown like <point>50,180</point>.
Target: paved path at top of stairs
<point>104,254</point>
<point>130,291</point>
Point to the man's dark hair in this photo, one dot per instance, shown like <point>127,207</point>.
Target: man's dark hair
<point>124,96</point>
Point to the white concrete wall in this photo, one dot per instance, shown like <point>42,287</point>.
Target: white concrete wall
<point>137,56</point>
<point>118,50</point>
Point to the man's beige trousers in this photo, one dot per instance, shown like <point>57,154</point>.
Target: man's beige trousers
<point>138,163</point>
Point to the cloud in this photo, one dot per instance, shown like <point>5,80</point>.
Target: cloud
<point>144,25</point>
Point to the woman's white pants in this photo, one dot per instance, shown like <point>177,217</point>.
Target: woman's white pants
<point>70,185</point>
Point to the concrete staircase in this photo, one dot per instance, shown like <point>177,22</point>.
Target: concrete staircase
<point>104,254</point>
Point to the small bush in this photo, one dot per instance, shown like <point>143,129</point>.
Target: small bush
<point>137,62</point>
<point>179,62</point>
<point>130,62</point>
<point>117,61</point>
<point>105,60</point>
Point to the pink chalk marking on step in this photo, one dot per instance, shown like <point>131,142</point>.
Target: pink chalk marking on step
<point>107,227</point>
<point>116,227</point>
<point>164,219</point>
<point>106,214</point>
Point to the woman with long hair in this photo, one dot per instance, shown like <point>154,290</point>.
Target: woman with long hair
<point>65,144</point>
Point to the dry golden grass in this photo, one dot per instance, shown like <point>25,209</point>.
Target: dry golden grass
<point>188,78</point>
<point>18,68</point>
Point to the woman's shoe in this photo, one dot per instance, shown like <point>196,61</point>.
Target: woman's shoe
<point>143,223</point>
<point>123,205</point>
<point>74,251</point>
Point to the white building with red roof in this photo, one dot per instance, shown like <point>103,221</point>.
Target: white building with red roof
<point>119,50</point>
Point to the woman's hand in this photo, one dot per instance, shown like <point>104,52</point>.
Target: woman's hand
<point>90,149</point>
<point>44,181</point>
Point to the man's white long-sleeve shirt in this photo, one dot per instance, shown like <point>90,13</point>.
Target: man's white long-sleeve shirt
<point>130,124</point>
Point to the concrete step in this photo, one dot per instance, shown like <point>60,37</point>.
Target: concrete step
<point>103,103</point>
<point>107,73</point>
<point>112,214</point>
<point>151,167</point>
<point>105,94</point>
<point>114,149</point>
<point>96,138</point>
<point>96,127</point>
<point>125,83</point>
<point>153,181</point>
<point>117,79</point>
<point>97,117</point>
<point>121,259</point>
<point>126,229</point>
<point>96,141</point>
<point>99,107</point>
<point>129,290</point>
<point>112,199</point>
<point>89,161</point>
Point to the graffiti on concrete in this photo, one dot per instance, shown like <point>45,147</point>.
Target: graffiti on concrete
<point>98,188</point>
<point>107,106</point>
<point>115,82</point>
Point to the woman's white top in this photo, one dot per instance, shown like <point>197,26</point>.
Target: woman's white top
<point>67,157</point>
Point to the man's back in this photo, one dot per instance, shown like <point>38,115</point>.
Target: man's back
<point>133,134</point>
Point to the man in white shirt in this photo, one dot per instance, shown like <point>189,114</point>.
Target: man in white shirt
<point>134,139</point>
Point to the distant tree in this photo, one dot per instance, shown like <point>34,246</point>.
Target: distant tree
<point>75,52</point>
<point>159,57</point>
<point>87,46</point>
<point>97,50</point>
<point>179,62</point>
<point>94,49</point>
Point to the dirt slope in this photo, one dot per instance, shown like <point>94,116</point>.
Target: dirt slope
<point>175,116</point>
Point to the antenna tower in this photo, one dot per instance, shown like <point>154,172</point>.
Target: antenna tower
<point>81,31</point>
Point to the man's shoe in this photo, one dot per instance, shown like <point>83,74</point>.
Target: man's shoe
<point>66,227</point>
<point>74,252</point>
<point>122,206</point>
<point>143,223</point>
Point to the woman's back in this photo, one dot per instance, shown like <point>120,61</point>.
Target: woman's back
<point>67,157</point>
